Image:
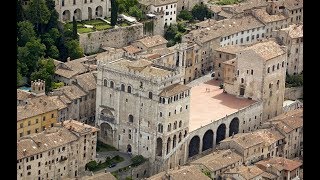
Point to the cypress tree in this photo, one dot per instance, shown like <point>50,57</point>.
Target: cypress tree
<point>74,29</point>
<point>114,12</point>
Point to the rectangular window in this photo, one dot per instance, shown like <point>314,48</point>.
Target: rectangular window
<point>28,132</point>
<point>21,134</point>
<point>44,118</point>
<point>29,123</point>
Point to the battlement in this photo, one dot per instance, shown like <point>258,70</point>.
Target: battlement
<point>38,87</point>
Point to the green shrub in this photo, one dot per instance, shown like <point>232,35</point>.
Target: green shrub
<point>137,160</point>
<point>91,165</point>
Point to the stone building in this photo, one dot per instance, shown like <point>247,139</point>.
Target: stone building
<point>181,173</point>
<point>141,106</point>
<point>290,125</point>
<point>58,152</point>
<point>223,54</point>
<point>254,146</point>
<point>281,168</point>
<point>292,37</point>
<point>150,43</point>
<point>82,10</point>
<point>168,9</point>
<point>273,22</point>
<point>218,162</point>
<point>244,173</point>
<point>259,75</point>
<point>188,4</point>
<point>36,115</point>
<point>290,8</point>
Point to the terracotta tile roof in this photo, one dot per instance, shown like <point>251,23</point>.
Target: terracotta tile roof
<point>23,95</point>
<point>267,49</point>
<point>266,18</point>
<point>280,163</point>
<point>184,173</point>
<point>49,139</point>
<point>153,56</point>
<point>223,28</point>
<point>72,68</point>
<point>152,41</point>
<point>86,81</point>
<point>269,175</point>
<point>246,172</point>
<point>36,106</point>
<point>100,176</point>
<point>293,4</point>
<point>173,90</point>
<point>269,136</point>
<point>231,62</point>
<point>219,159</point>
<point>294,31</point>
<point>71,92</point>
<point>157,2</point>
<point>288,121</point>
<point>245,140</point>
<point>231,49</point>
<point>59,103</point>
<point>131,49</point>
<point>78,127</point>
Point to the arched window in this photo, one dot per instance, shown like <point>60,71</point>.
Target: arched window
<point>185,133</point>
<point>270,86</point>
<point>180,124</point>
<point>180,136</point>
<point>175,111</point>
<point>160,114</point>
<point>160,128</point>
<point>282,63</point>
<point>130,118</point>
<point>163,100</point>
<point>242,80</point>
<point>175,125</point>
<point>169,127</point>
<point>150,95</point>
<point>111,84</point>
<point>278,83</point>
<point>129,89</point>
<point>278,66</point>
<point>268,69</point>
<point>105,82</point>
<point>122,87</point>
<point>160,99</point>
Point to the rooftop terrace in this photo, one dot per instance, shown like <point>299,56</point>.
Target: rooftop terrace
<point>209,103</point>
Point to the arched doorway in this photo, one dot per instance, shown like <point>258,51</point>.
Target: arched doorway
<point>242,89</point>
<point>66,15</point>
<point>207,140</point>
<point>168,145</point>
<point>159,147</point>
<point>89,13</point>
<point>99,11</point>
<point>129,148</point>
<point>106,133</point>
<point>234,126</point>
<point>194,146</point>
<point>77,14</point>
<point>221,133</point>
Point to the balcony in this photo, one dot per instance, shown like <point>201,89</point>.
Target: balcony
<point>106,118</point>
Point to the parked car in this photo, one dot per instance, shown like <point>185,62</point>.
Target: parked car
<point>112,165</point>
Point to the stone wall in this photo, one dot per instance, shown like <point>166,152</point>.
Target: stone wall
<point>293,93</point>
<point>139,172</point>
<point>116,37</point>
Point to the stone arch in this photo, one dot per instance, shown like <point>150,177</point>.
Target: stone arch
<point>221,133</point>
<point>122,88</point>
<point>66,15</point>
<point>234,126</point>
<point>160,128</point>
<point>129,89</point>
<point>111,84</point>
<point>89,13</point>
<point>129,148</point>
<point>77,14</point>
<point>159,147</point>
<point>180,124</point>
<point>207,141</point>
<point>175,125</point>
<point>168,145</point>
<point>180,137</point>
<point>174,141</point>
<point>105,82</point>
<point>106,133</point>
<point>99,11</point>
<point>194,146</point>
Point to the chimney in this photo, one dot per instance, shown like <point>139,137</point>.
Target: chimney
<point>68,59</point>
<point>38,143</point>
<point>24,152</point>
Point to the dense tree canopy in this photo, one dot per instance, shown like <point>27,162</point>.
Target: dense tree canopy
<point>39,37</point>
<point>114,12</point>
<point>185,15</point>
<point>44,71</point>
<point>201,11</point>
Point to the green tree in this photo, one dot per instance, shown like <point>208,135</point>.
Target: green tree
<point>38,13</point>
<point>25,32</point>
<point>185,15</point>
<point>53,52</point>
<point>74,28</point>
<point>91,165</point>
<point>45,71</point>
<point>30,54</point>
<point>201,11</point>
<point>74,50</point>
<point>114,12</point>
<point>20,11</point>
<point>135,12</point>
<point>137,160</point>
<point>171,32</point>
<point>56,85</point>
